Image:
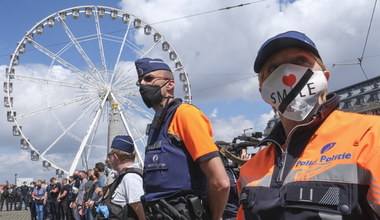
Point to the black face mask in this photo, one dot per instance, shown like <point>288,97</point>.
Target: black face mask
<point>151,94</point>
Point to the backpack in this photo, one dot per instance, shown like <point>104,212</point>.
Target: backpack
<point>116,211</point>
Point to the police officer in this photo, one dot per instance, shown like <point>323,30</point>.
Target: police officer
<point>182,163</point>
<point>321,163</point>
<point>9,193</point>
<point>25,195</point>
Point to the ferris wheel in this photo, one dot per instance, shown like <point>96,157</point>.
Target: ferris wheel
<point>70,84</point>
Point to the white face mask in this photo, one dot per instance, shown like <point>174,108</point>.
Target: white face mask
<point>294,90</point>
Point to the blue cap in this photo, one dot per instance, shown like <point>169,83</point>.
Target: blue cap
<point>281,41</point>
<point>123,143</point>
<point>147,65</point>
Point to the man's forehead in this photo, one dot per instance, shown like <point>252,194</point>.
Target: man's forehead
<point>288,53</point>
<point>154,73</point>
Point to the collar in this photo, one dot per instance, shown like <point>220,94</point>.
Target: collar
<point>278,136</point>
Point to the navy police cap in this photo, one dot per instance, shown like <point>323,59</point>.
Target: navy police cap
<point>281,41</point>
<point>123,143</point>
<point>147,65</point>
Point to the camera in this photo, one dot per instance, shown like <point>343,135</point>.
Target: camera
<point>231,151</point>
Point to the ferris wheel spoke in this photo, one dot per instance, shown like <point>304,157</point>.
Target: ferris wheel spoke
<point>79,39</point>
<point>137,108</point>
<point>120,51</point>
<point>128,43</point>
<point>80,49</point>
<point>61,61</point>
<point>126,85</point>
<point>85,139</point>
<point>137,134</point>
<point>100,41</point>
<point>90,146</point>
<point>150,49</point>
<point>127,89</point>
<point>73,136</point>
<point>127,127</point>
<point>140,136</point>
<point>64,131</point>
<point>64,49</point>
<point>136,131</point>
<point>49,108</point>
<point>45,159</point>
<point>124,73</point>
<point>51,82</point>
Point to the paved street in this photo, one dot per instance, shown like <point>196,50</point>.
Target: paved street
<point>15,215</point>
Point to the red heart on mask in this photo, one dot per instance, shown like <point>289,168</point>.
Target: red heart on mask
<point>289,80</point>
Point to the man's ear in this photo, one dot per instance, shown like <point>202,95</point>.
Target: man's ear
<point>327,74</point>
<point>170,85</point>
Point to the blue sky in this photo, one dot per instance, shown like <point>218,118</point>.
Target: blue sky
<point>217,49</point>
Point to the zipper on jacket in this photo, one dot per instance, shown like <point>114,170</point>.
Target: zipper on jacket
<point>284,153</point>
<point>281,165</point>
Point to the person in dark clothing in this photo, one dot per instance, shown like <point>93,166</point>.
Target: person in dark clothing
<point>32,204</point>
<point>8,195</point>
<point>24,191</point>
<point>233,200</point>
<point>53,191</point>
<point>63,200</point>
<point>74,189</point>
<point>17,198</point>
<point>87,212</point>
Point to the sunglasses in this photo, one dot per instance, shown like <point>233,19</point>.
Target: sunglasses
<point>109,154</point>
<point>150,79</point>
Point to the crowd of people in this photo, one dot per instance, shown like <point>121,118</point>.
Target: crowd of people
<point>66,199</point>
<point>319,163</point>
<point>14,198</point>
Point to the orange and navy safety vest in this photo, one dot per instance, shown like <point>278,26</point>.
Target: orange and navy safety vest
<point>171,168</point>
<point>327,169</point>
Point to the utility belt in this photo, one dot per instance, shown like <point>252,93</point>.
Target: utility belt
<point>180,208</point>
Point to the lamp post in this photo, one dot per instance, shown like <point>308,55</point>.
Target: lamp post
<point>15,178</point>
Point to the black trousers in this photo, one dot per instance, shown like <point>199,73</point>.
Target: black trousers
<point>64,210</point>
<point>25,200</point>
<point>9,203</point>
<point>54,210</point>
<point>1,203</point>
<point>33,212</point>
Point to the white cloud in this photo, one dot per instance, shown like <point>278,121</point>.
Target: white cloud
<point>264,118</point>
<point>227,129</point>
<point>214,113</point>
